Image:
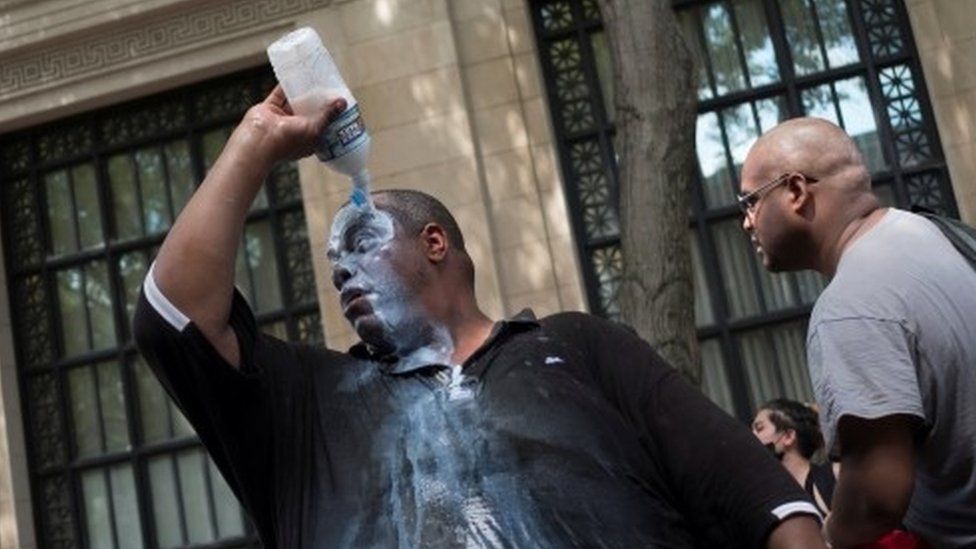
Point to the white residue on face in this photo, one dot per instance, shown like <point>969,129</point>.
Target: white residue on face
<point>362,241</point>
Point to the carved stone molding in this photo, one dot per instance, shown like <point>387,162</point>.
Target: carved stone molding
<point>101,51</point>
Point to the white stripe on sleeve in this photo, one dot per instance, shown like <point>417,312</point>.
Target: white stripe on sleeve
<point>163,306</point>
<point>795,507</point>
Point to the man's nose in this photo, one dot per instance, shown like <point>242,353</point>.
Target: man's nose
<point>341,274</point>
<point>747,222</point>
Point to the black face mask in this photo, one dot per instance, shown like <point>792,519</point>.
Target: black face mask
<point>771,446</point>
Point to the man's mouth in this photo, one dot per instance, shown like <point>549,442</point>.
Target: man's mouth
<point>350,297</point>
<point>756,246</point>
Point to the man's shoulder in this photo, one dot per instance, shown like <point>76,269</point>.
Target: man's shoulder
<point>902,242</point>
<point>568,318</point>
<point>582,322</point>
<point>881,275</point>
<point>591,331</point>
<point>870,289</point>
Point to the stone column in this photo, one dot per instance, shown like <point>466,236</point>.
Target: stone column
<point>945,35</point>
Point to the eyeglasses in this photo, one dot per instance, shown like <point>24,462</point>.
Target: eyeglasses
<point>747,202</point>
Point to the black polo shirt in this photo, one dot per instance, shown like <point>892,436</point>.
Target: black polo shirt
<point>564,432</point>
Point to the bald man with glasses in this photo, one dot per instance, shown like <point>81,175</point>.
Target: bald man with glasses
<point>891,344</point>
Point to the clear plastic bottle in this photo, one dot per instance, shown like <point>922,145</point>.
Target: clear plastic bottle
<point>311,80</point>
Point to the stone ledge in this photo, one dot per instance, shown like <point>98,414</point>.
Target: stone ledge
<point>32,22</point>
<point>27,71</point>
<point>135,79</point>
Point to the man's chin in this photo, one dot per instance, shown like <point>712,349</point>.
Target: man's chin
<point>768,262</point>
<point>780,264</point>
<point>771,264</point>
<point>372,332</point>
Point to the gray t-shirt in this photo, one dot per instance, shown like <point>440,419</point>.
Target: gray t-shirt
<point>895,333</point>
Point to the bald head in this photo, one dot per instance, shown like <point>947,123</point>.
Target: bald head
<point>414,209</point>
<point>800,222</point>
<point>812,146</point>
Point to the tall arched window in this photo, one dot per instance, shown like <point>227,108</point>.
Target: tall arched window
<point>86,202</point>
<point>761,61</point>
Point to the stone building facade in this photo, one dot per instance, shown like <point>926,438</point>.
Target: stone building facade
<point>111,110</point>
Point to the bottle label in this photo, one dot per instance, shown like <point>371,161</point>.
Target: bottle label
<point>343,135</point>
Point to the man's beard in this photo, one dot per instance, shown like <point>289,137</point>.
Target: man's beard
<point>399,326</point>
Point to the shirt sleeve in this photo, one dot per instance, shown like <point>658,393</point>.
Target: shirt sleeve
<point>862,367</point>
<point>230,408</point>
<point>728,486</point>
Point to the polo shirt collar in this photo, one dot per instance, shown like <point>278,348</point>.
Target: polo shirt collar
<point>522,321</point>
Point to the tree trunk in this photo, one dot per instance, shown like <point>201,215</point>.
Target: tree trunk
<point>655,98</point>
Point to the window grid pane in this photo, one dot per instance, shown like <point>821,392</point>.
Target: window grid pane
<point>179,173</point>
<point>97,509</point>
<point>716,180</point>
<point>165,505</point>
<point>98,297</point>
<point>774,361</point>
<point>715,380</point>
<point>194,494</point>
<point>152,182</point>
<point>261,265</point>
<point>125,197</point>
<point>61,217</point>
<point>111,399</point>
<point>801,34</point>
<point>80,237</point>
<point>87,206</point>
<point>838,38</point>
<point>73,313</point>
<point>704,312</point>
<point>153,404</point>
<point>846,103</point>
<point>126,508</point>
<point>84,412</point>
<point>757,42</point>
<point>721,48</point>
<point>230,521</point>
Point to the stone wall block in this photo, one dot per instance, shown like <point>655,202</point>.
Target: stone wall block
<point>501,128</point>
<point>401,54</point>
<point>411,98</point>
<point>369,19</point>
<point>491,83</point>
<point>481,38</point>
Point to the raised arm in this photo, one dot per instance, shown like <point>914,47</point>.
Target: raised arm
<point>195,265</point>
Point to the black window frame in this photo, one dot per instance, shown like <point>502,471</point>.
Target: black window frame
<point>56,490</point>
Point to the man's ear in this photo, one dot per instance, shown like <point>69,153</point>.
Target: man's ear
<point>800,195</point>
<point>435,242</point>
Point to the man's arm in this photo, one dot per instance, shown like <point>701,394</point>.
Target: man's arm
<point>876,480</point>
<point>724,481</point>
<point>195,265</point>
<point>797,532</point>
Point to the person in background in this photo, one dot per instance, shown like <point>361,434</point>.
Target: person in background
<point>789,429</point>
<point>891,343</point>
